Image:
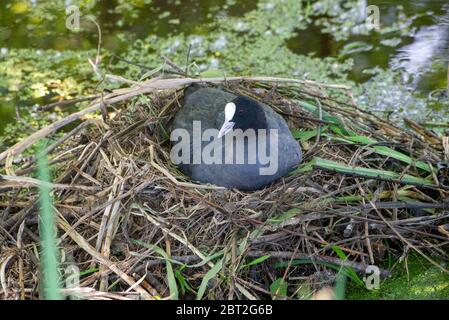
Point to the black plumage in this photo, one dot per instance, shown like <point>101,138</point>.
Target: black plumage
<point>207,105</point>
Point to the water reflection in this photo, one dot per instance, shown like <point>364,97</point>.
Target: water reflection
<point>428,49</point>
<point>419,48</point>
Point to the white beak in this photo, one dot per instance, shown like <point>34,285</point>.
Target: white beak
<point>225,128</point>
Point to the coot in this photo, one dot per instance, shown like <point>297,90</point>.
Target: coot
<point>231,141</point>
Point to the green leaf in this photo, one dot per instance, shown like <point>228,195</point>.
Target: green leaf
<point>150,73</point>
<point>285,216</point>
<point>326,116</point>
<point>47,230</point>
<point>360,139</point>
<point>305,135</point>
<point>383,150</point>
<point>88,271</point>
<point>172,286</point>
<point>305,167</point>
<point>350,271</point>
<point>340,285</point>
<point>255,261</point>
<point>278,289</point>
<point>351,198</point>
<point>401,157</point>
<point>339,253</point>
<point>338,130</point>
<point>368,172</point>
<point>184,285</point>
<point>171,279</point>
<point>207,277</point>
<point>354,47</point>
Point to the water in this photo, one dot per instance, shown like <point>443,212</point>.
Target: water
<point>420,54</point>
<point>161,17</point>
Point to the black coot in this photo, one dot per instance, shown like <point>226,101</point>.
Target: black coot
<point>231,141</point>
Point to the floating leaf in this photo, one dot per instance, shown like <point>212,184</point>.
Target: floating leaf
<point>355,47</point>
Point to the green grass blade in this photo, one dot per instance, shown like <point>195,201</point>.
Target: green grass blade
<point>350,136</point>
<point>305,167</point>
<point>171,278</point>
<point>383,150</point>
<point>255,261</point>
<point>326,115</point>
<point>207,277</point>
<point>284,216</point>
<point>183,283</point>
<point>351,198</point>
<point>305,135</point>
<point>340,285</point>
<point>47,232</point>
<point>350,271</point>
<point>368,172</point>
<point>89,271</point>
<point>279,289</point>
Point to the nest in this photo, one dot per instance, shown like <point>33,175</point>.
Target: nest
<point>367,192</point>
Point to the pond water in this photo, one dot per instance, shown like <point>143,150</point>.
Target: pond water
<point>415,54</point>
<point>20,28</point>
<point>420,54</point>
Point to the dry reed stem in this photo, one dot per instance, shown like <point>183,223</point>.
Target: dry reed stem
<point>27,182</point>
<point>182,240</point>
<point>80,241</point>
